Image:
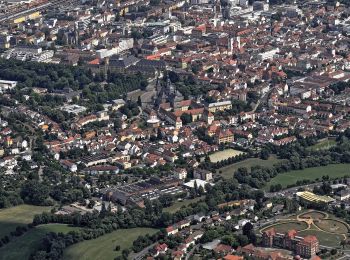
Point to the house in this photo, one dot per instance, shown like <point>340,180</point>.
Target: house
<point>160,249</point>
<point>184,223</point>
<point>180,173</point>
<point>223,249</point>
<point>177,255</point>
<point>233,257</point>
<point>69,165</point>
<point>171,230</point>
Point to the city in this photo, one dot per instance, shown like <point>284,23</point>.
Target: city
<point>174,129</point>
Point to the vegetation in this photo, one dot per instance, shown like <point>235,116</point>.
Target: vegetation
<point>179,204</point>
<point>227,171</point>
<point>310,174</point>
<point>22,247</point>
<point>18,216</point>
<point>104,246</point>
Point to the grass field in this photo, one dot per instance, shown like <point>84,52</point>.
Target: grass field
<point>284,227</point>
<point>332,226</point>
<point>323,145</point>
<point>21,247</point>
<point>332,170</point>
<point>178,204</point>
<point>313,215</point>
<point>325,239</point>
<point>223,155</point>
<point>103,247</point>
<point>227,171</point>
<point>20,215</point>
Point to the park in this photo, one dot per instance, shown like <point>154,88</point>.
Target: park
<point>329,230</point>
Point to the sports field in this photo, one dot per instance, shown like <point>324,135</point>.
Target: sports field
<point>223,155</point>
<point>289,178</point>
<point>22,247</point>
<point>10,218</point>
<point>228,171</point>
<point>103,247</point>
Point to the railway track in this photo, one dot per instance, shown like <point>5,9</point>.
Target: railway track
<point>18,13</point>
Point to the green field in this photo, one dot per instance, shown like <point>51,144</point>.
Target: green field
<point>21,247</point>
<point>332,226</point>
<point>323,145</point>
<point>332,170</point>
<point>223,155</point>
<point>284,227</point>
<point>178,204</point>
<point>10,218</point>
<point>227,171</point>
<point>103,247</point>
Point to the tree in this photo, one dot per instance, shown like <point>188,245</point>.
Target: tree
<point>186,118</point>
<point>34,192</point>
<point>91,204</point>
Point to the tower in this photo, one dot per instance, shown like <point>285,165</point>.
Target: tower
<point>238,40</point>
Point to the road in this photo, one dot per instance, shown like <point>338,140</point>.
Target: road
<point>141,254</point>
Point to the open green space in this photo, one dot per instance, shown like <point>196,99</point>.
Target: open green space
<point>323,145</point>
<point>179,204</point>
<point>10,218</point>
<point>314,215</point>
<point>228,171</point>
<point>284,227</point>
<point>223,155</point>
<point>289,178</point>
<point>333,226</point>
<point>22,247</point>
<point>329,230</point>
<point>104,247</point>
<point>325,239</point>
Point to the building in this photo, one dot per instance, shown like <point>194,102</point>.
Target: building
<point>202,174</point>
<point>308,247</point>
<point>311,197</point>
<point>7,85</point>
<point>219,106</point>
<point>304,246</point>
<point>224,136</point>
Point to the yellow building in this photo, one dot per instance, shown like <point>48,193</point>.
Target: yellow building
<point>24,18</point>
<point>311,197</point>
<point>219,106</point>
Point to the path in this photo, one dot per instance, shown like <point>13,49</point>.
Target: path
<point>310,222</point>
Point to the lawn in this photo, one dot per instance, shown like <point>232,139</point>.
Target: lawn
<point>10,218</point>
<point>103,247</point>
<point>325,239</point>
<point>227,171</point>
<point>223,155</point>
<point>21,247</point>
<point>178,204</point>
<point>289,178</point>
<point>284,227</point>
<point>323,145</point>
<point>332,226</point>
<point>314,215</point>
